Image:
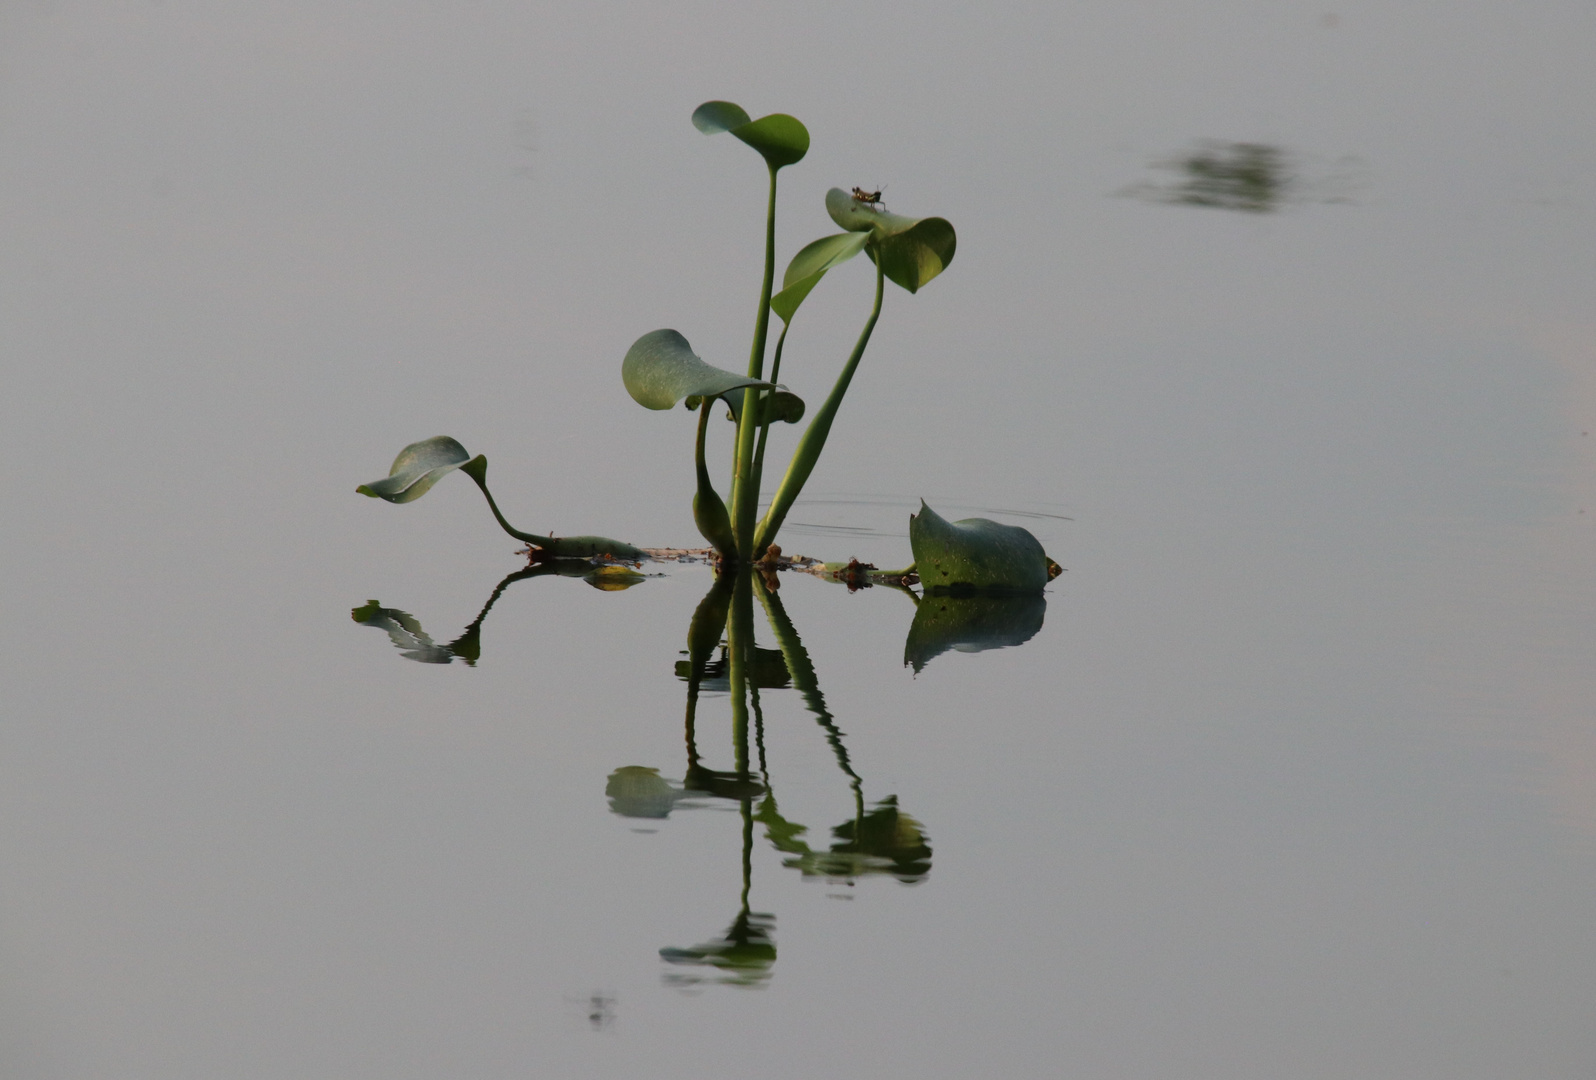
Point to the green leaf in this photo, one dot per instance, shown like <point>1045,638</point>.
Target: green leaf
<point>976,554</point>
<point>416,469</point>
<point>810,265</point>
<point>970,624</point>
<point>783,405</point>
<point>911,251</point>
<point>780,139</point>
<point>713,117</point>
<point>661,368</point>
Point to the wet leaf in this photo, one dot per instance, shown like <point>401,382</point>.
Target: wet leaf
<point>661,369</point>
<point>911,251</point>
<point>976,554</point>
<point>780,139</point>
<point>970,624</point>
<point>416,469</point>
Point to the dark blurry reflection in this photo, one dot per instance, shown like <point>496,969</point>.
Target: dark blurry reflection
<point>874,839</point>
<point>970,623</point>
<point>405,631</point>
<point>1252,177</point>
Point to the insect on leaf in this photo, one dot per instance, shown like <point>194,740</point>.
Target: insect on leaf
<point>911,251</point>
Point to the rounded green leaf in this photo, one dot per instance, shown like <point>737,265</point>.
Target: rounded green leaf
<point>915,256</point>
<point>661,368</point>
<point>810,265</point>
<point>856,216</point>
<point>416,469</point>
<point>976,554</point>
<point>713,117</point>
<point>912,251</point>
<point>780,139</point>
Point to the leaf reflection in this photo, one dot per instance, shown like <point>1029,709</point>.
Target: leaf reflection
<point>405,631</point>
<point>875,839</point>
<point>970,623</point>
<point>1252,177</point>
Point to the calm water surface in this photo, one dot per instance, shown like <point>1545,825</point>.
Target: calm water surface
<point>1274,326</point>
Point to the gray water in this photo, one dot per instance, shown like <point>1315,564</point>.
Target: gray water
<point>1296,776</point>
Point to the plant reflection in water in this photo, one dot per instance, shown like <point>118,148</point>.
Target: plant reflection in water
<point>879,839</point>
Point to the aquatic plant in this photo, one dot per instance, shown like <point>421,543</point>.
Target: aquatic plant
<point>661,370</point>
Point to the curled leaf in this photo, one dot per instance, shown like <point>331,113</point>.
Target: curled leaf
<point>911,251</point>
<point>780,139</point>
<point>783,405</point>
<point>810,265</point>
<point>416,469</point>
<point>976,554</point>
<point>661,368</point>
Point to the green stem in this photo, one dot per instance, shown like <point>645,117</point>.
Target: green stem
<point>745,481</point>
<point>477,469</point>
<point>561,547</point>
<point>766,421</point>
<point>813,439</point>
<point>709,513</point>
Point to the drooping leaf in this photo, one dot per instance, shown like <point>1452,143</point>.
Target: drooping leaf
<point>810,265</point>
<point>416,469</point>
<point>661,369</point>
<point>783,405</point>
<point>911,251</point>
<point>918,254</point>
<point>976,554</point>
<point>780,139</point>
<point>971,624</point>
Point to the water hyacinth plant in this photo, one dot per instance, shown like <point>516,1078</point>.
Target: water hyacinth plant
<point>661,370</point>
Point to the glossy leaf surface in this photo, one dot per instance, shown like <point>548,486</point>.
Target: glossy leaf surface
<point>780,139</point>
<point>416,469</point>
<point>661,369</point>
<point>976,554</point>
<point>911,251</point>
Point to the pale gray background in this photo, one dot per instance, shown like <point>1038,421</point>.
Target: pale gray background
<point>1299,778</point>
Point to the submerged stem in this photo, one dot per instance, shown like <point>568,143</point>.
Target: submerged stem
<point>813,439</point>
